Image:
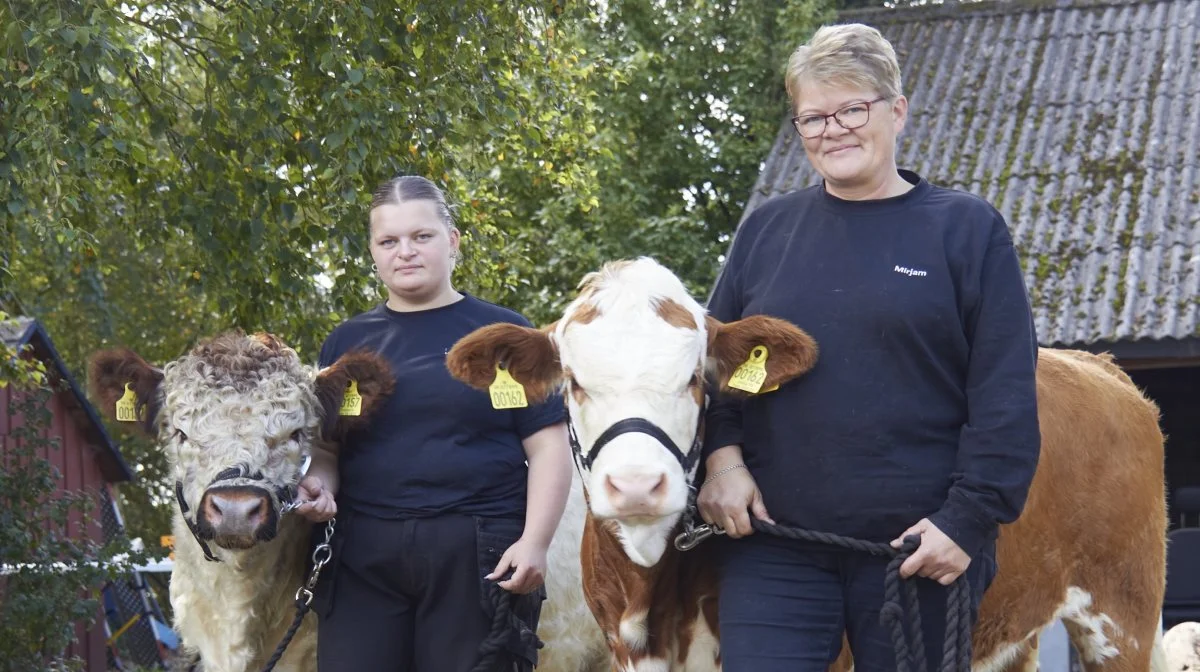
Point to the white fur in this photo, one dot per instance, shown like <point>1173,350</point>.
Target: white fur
<point>634,631</point>
<point>702,654</point>
<point>633,364</point>
<point>1181,647</point>
<point>235,612</point>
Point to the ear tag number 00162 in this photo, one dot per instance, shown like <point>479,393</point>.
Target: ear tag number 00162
<point>351,401</point>
<point>506,392</point>
<point>127,407</point>
<point>752,372</point>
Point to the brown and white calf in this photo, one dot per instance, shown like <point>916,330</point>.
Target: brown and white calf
<point>237,417</point>
<point>1089,548</point>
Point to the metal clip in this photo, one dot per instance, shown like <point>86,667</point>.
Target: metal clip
<point>689,539</point>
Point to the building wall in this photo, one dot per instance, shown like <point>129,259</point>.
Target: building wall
<point>1177,393</point>
<point>76,461</point>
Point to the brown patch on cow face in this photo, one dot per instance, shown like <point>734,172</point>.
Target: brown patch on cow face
<point>790,351</point>
<point>585,314</point>
<point>373,376</point>
<point>674,314</point>
<point>528,354</point>
<point>108,373</point>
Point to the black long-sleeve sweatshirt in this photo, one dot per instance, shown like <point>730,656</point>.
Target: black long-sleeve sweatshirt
<point>922,402</point>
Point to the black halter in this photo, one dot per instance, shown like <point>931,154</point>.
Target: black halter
<point>644,426</point>
<point>284,496</point>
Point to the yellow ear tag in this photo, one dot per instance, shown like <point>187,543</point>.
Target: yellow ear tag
<point>751,374</point>
<point>351,401</point>
<point>506,392</point>
<point>127,407</point>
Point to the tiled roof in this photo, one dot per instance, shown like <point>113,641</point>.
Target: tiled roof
<point>1080,122</point>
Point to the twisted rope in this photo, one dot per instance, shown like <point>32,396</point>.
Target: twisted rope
<point>492,648</point>
<point>900,601</point>
<point>301,610</point>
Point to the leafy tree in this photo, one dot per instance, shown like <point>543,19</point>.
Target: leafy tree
<point>171,170</point>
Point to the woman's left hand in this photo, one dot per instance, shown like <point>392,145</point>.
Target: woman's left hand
<point>527,559</point>
<point>937,558</point>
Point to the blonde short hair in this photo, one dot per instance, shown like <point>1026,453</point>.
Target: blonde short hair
<point>849,54</point>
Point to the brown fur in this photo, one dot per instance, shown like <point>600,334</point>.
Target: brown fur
<point>585,314</point>
<point>790,351</point>
<point>110,370</point>
<point>528,354</point>
<point>375,383</point>
<point>673,594</point>
<point>675,314</point>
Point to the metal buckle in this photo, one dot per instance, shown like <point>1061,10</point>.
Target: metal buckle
<point>689,539</point>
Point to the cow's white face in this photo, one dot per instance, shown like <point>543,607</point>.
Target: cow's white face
<point>237,416</point>
<point>237,404</point>
<point>633,345</point>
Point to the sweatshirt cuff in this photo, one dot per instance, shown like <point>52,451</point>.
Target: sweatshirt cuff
<point>719,437</point>
<point>966,529</point>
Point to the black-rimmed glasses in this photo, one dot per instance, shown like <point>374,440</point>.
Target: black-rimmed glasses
<point>850,117</point>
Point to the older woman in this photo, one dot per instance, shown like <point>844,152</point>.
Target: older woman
<point>920,416</point>
<point>445,491</point>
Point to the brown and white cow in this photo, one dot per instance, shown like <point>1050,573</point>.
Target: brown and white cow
<point>237,417</point>
<point>1089,548</point>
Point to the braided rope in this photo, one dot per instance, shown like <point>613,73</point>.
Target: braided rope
<point>504,621</point>
<point>301,610</point>
<point>900,601</point>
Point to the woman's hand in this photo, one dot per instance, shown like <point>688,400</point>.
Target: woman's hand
<point>527,559</point>
<point>316,501</point>
<point>730,494</point>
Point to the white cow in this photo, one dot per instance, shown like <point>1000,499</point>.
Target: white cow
<point>237,417</point>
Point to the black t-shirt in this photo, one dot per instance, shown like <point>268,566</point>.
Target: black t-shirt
<point>436,446</point>
<point>922,401</point>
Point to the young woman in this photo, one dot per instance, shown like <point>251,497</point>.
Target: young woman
<point>920,416</point>
<point>443,492</point>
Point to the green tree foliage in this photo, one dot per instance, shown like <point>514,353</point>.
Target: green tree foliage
<point>171,170</point>
<point>51,566</point>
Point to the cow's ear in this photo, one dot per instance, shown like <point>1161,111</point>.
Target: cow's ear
<point>528,354</point>
<point>125,387</point>
<point>790,351</point>
<point>350,390</point>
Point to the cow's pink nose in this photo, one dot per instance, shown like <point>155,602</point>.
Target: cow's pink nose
<point>638,493</point>
<point>237,510</point>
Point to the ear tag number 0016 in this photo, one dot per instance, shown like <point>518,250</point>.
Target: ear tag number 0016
<point>351,401</point>
<point>506,392</point>
<point>127,407</point>
<point>752,372</point>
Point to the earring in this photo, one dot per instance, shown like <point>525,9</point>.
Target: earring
<point>374,268</point>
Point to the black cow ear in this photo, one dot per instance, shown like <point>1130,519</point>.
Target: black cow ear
<point>351,390</point>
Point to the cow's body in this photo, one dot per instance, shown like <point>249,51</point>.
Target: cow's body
<point>1089,548</point>
<point>244,403</point>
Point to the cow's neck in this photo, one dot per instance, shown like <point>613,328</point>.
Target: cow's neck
<point>628,598</point>
<point>212,600</point>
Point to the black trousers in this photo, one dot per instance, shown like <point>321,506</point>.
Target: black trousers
<point>784,605</point>
<point>409,595</point>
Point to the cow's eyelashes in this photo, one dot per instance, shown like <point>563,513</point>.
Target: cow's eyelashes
<point>180,435</point>
<point>297,435</point>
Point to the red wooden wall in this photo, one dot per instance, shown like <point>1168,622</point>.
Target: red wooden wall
<point>76,461</point>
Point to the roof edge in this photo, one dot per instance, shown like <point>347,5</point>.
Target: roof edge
<point>35,330</point>
<point>954,9</point>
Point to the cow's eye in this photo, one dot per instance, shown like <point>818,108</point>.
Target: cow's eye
<point>297,435</point>
<point>180,435</point>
